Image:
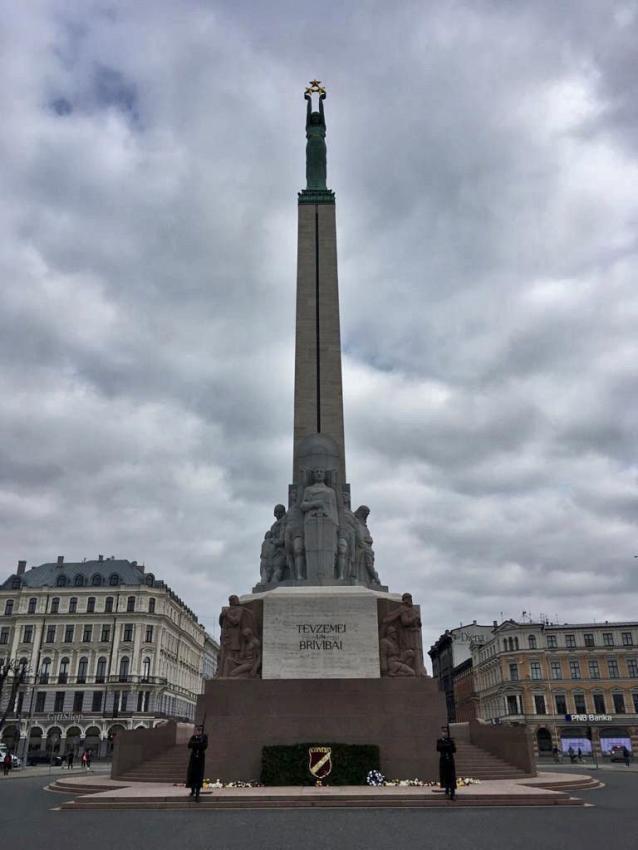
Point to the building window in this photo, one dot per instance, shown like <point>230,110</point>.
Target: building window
<point>78,701</point>
<point>594,672</point>
<point>114,579</point>
<point>90,605</point>
<point>130,604</point>
<point>127,633</point>
<point>8,608</point>
<point>147,699</point>
<point>561,704</point>
<point>40,699</point>
<point>551,642</point>
<point>33,603</point>
<point>589,640</point>
<point>27,634</point>
<point>513,704</point>
<point>619,703</point>
<point>78,581</point>
<point>96,580</point>
<point>100,670</point>
<point>627,639</point>
<point>557,672</point>
<point>59,701</point>
<point>146,669</point>
<point>105,636</point>
<point>570,641</point>
<point>73,605</point>
<point>151,606</point>
<point>87,634</point>
<point>63,675</point>
<point>60,581</point>
<point>148,637</point>
<point>608,638</point>
<point>574,669</point>
<point>579,704</point>
<point>140,700</point>
<point>83,667</point>
<point>635,699</point>
<point>124,666</point>
<point>68,634</point>
<point>599,704</point>
<point>535,670</point>
<point>50,635</point>
<point>531,640</point>
<point>55,605</point>
<point>124,701</point>
<point>539,704</point>
<point>632,668</point>
<point>514,672</point>
<point>45,670</point>
<point>108,605</point>
<point>4,635</point>
<point>96,702</point>
<point>614,673</point>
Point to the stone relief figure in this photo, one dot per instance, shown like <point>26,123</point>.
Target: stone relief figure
<point>395,662</point>
<point>238,629</point>
<point>364,554</point>
<point>249,663</point>
<point>407,623</point>
<point>347,542</point>
<point>321,520</point>
<point>294,543</point>
<point>266,559</point>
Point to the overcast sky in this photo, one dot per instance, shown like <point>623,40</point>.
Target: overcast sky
<point>484,157</point>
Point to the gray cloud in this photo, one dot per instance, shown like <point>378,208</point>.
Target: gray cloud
<point>484,158</point>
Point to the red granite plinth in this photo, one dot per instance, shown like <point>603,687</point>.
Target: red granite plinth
<point>403,717</point>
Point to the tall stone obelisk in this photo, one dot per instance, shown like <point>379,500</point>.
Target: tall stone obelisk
<point>318,387</point>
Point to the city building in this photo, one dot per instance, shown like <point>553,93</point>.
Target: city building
<point>107,647</point>
<point>452,666</point>
<point>573,685</point>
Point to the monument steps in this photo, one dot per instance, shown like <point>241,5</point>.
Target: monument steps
<point>169,766</point>
<point>324,799</point>
<point>479,764</point>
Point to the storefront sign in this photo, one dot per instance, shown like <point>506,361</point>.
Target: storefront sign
<point>589,718</point>
<point>64,716</point>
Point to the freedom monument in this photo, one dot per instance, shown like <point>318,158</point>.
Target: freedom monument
<point>320,651</point>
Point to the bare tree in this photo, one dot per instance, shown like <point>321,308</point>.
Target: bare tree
<point>13,673</point>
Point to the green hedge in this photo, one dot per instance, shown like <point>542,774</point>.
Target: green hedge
<point>288,764</point>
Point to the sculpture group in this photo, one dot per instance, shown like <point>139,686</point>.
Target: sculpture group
<point>318,539</point>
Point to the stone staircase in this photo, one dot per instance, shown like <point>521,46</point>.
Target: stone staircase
<point>169,766</point>
<point>479,764</point>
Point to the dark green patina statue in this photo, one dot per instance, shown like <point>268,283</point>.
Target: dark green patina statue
<point>316,144</point>
<point>315,191</point>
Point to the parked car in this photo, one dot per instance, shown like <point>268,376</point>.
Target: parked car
<point>40,758</point>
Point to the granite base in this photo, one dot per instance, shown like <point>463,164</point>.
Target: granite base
<point>403,717</point>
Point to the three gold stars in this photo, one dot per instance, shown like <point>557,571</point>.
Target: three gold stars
<point>315,87</point>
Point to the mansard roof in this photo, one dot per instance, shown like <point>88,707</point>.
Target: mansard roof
<point>48,575</point>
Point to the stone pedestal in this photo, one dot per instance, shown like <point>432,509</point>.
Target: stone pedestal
<point>403,717</point>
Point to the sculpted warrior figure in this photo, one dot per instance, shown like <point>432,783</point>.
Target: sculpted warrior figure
<point>316,144</point>
<point>234,619</point>
<point>249,656</point>
<point>394,662</point>
<point>347,541</point>
<point>405,618</point>
<point>273,549</point>
<point>265,559</point>
<point>294,543</point>
<point>364,556</point>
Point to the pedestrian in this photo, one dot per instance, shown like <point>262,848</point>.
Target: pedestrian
<point>555,754</point>
<point>626,756</point>
<point>6,763</point>
<point>195,774</point>
<point>85,759</point>
<point>446,748</point>
<point>580,755</point>
<point>88,759</point>
<point>69,760</point>
<point>572,755</point>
